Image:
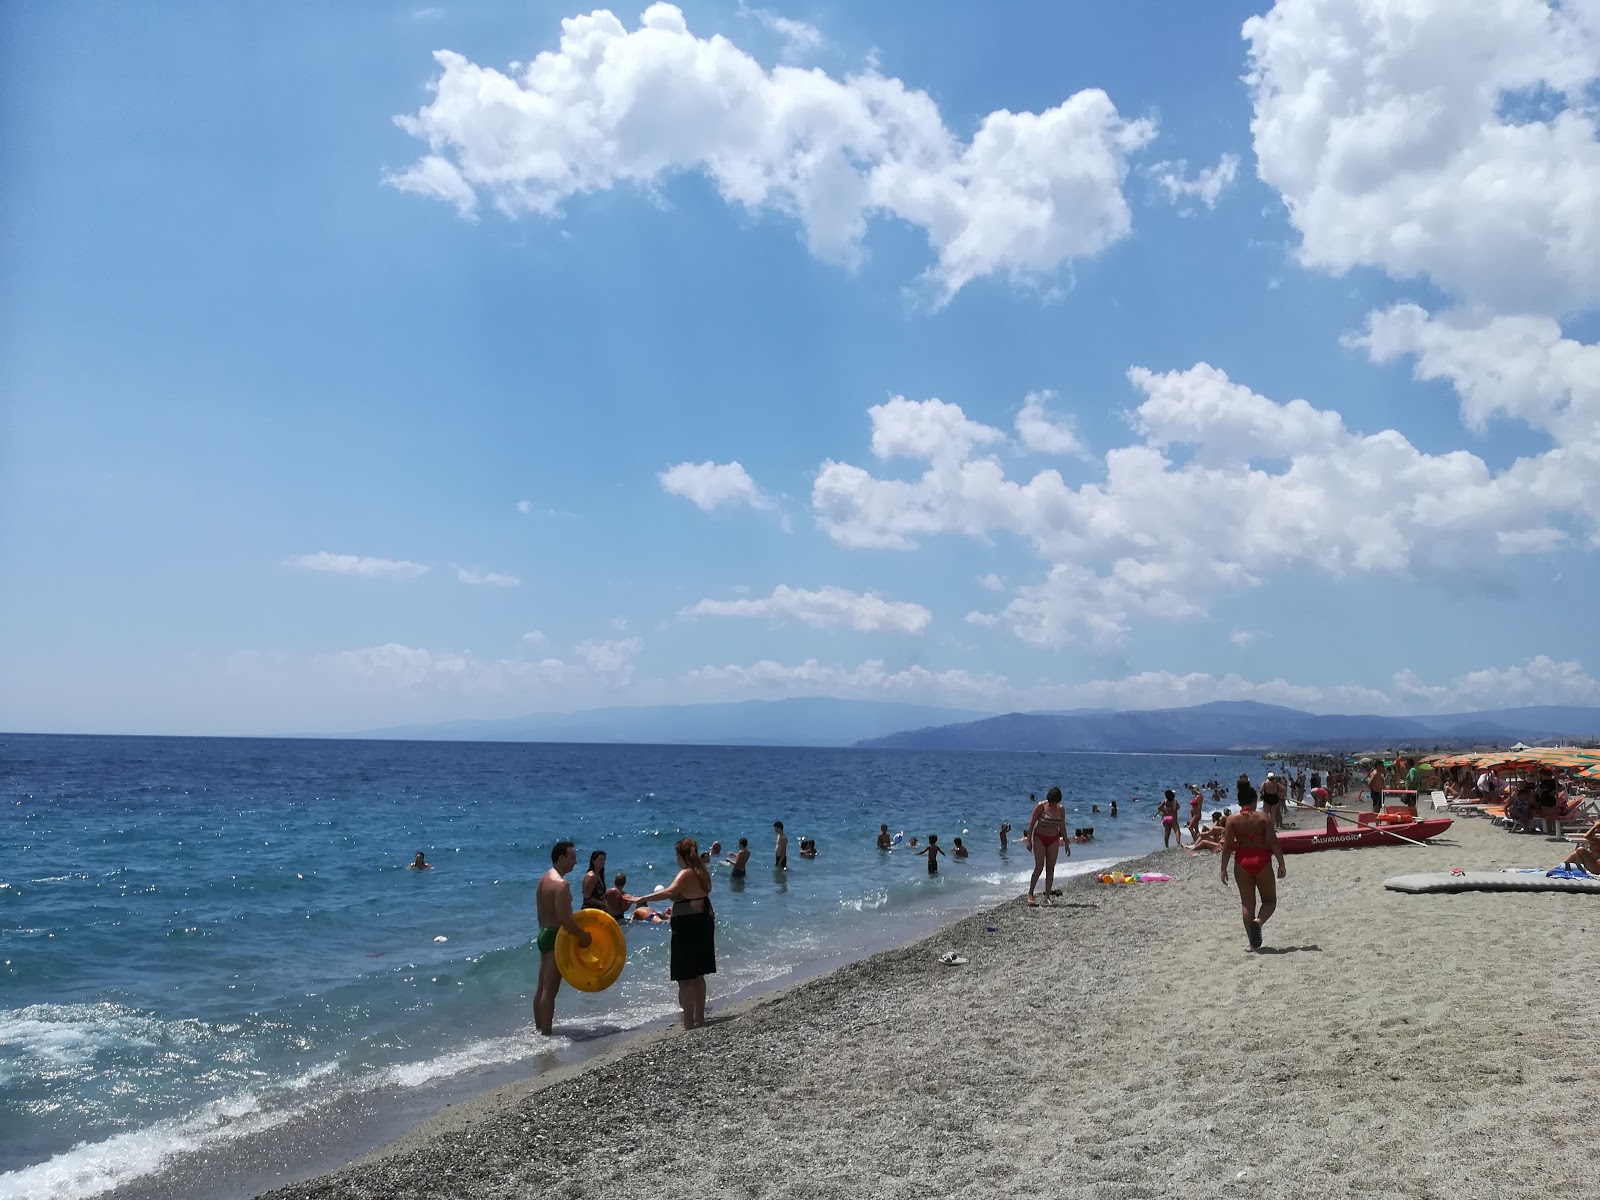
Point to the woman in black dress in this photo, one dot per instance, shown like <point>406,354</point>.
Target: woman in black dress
<point>694,942</point>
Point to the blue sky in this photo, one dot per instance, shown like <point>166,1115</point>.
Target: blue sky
<point>1310,343</point>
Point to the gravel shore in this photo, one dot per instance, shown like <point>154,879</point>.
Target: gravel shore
<point>1122,1043</point>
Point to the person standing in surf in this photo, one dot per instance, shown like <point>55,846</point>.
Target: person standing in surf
<point>693,953</point>
<point>553,901</point>
<point>1047,834</point>
<point>1251,840</point>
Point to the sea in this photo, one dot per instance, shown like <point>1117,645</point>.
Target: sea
<point>218,974</point>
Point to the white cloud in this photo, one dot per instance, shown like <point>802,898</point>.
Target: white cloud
<point>986,620</point>
<point>926,429</point>
<point>1538,681</point>
<point>524,507</point>
<point>1517,367</point>
<point>356,564</point>
<point>1027,195</point>
<point>1226,488</point>
<point>400,667</point>
<point>612,660</point>
<point>1401,135</point>
<point>991,582</point>
<point>487,578</point>
<point>534,638</point>
<point>710,485</point>
<point>799,38</point>
<point>1042,433</point>
<point>1207,186</point>
<point>1243,637</point>
<point>827,607</point>
<point>871,677</point>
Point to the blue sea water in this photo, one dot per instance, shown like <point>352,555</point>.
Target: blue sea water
<point>204,939</point>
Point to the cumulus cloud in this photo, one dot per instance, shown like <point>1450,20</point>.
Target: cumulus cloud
<point>710,485</point>
<point>1243,637</point>
<point>1226,487</point>
<point>1402,136</point>
<point>534,638</point>
<point>1028,194</point>
<point>827,607</point>
<point>991,582</point>
<point>1042,433</point>
<point>487,578</point>
<point>1205,186</point>
<point>1540,680</point>
<point>357,564</point>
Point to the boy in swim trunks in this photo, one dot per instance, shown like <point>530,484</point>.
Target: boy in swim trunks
<point>780,851</point>
<point>1251,840</point>
<point>933,851</point>
<point>554,903</point>
<point>738,859</point>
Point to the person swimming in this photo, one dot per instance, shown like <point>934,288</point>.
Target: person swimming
<point>420,863</point>
<point>808,847</point>
<point>960,851</point>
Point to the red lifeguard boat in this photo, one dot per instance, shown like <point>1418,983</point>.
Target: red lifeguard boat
<point>1345,837</point>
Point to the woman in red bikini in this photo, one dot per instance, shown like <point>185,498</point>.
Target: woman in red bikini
<point>1252,841</point>
<point>1047,834</point>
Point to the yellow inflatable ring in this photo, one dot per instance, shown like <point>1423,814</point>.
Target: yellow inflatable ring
<point>594,967</point>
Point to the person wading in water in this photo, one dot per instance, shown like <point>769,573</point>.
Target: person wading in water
<point>1252,842</point>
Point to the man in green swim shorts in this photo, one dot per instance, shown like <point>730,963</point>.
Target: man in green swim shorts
<point>554,902</point>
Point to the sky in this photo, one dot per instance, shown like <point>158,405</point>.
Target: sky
<point>374,364</point>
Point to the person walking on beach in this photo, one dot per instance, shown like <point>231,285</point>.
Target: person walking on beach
<point>1047,834</point>
<point>694,931</point>
<point>1196,803</point>
<point>933,851</point>
<point>1274,799</point>
<point>553,902</point>
<point>780,852</point>
<point>1375,786</point>
<point>1251,840</point>
<point>1167,810</point>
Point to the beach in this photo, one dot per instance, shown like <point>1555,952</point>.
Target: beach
<point>1124,1042</point>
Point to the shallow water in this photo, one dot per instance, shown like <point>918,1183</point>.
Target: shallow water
<point>202,939</point>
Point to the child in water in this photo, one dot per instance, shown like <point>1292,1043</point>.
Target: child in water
<point>932,851</point>
<point>960,851</point>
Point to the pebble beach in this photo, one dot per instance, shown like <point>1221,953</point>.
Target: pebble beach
<point>1124,1042</point>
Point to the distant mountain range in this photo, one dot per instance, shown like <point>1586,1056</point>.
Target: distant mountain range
<point>1222,725</point>
<point>804,721</point>
<point>1225,725</point>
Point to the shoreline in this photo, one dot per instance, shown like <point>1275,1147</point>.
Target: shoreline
<point>369,1125</point>
<point>1384,1044</point>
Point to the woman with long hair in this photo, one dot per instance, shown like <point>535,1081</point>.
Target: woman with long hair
<point>694,942</point>
<point>1047,834</point>
<point>594,881</point>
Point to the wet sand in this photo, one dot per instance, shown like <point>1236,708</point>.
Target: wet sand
<point>1122,1043</point>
